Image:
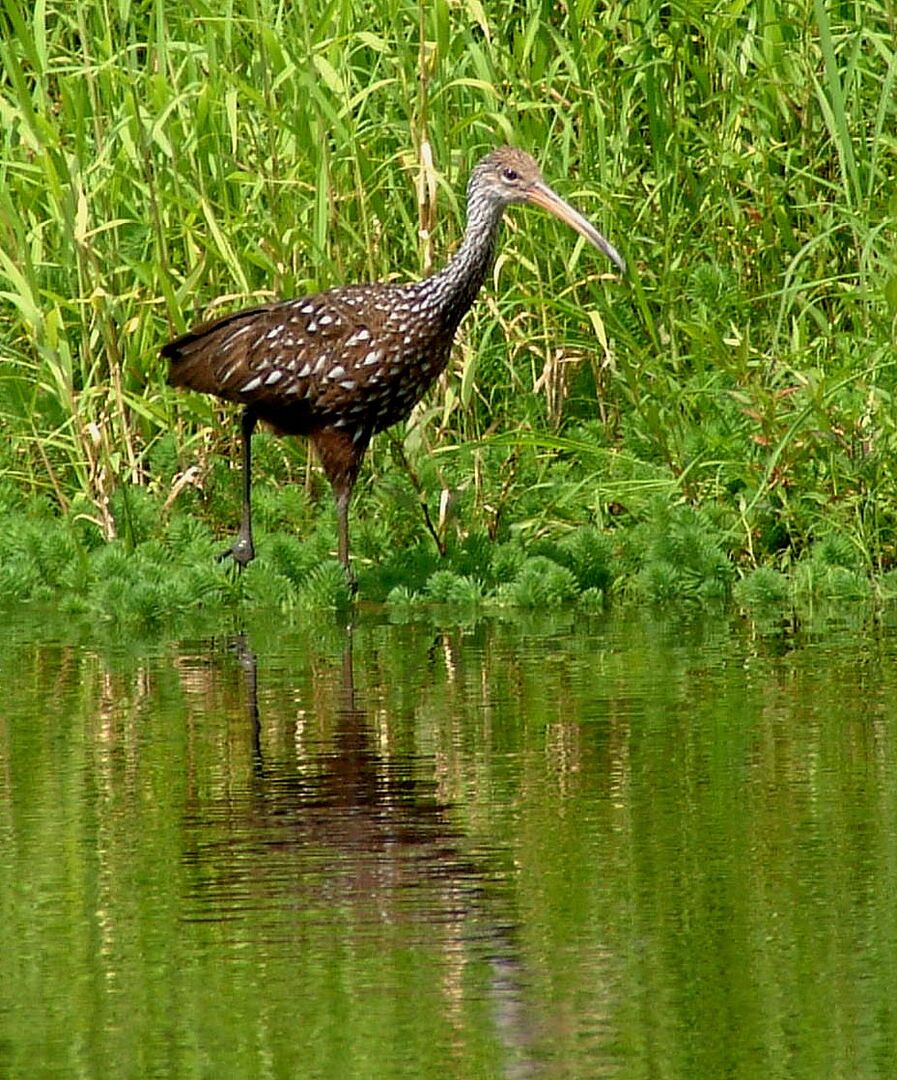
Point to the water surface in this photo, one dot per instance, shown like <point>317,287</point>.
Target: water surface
<point>629,846</point>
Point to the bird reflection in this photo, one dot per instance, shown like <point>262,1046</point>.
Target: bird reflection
<point>331,831</point>
<point>373,819</point>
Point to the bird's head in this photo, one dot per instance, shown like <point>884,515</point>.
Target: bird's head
<point>508,175</point>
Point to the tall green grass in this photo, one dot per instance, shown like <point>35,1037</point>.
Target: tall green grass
<point>162,162</point>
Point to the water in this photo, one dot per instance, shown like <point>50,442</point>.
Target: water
<point>632,846</point>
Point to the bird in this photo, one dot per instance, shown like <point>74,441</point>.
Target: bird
<point>341,365</point>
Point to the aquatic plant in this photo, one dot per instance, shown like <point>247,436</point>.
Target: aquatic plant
<point>677,554</point>
<point>540,582</point>
<point>448,587</point>
<point>832,569</point>
<point>762,586</point>
<point>325,587</point>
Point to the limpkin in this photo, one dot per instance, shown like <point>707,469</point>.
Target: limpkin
<point>341,365</point>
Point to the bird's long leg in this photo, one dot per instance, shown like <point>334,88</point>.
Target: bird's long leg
<point>242,550</point>
<point>343,494</point>
<point>341,454</point>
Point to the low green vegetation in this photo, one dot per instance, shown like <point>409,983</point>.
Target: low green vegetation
<point>719,424</point>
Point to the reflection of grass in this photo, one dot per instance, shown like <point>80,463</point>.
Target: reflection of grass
<point>746,369</point>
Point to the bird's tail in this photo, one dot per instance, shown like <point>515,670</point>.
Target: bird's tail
<point>200,359</point>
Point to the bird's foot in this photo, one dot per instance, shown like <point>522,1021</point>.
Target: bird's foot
<point>351,582</point>
<point>241,551</point>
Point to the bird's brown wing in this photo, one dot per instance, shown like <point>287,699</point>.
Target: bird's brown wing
<point>355,357</point>
<point>284,353</point>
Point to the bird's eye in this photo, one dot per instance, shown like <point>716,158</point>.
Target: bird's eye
<point>510,174</point>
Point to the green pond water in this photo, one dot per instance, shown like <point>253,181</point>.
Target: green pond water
<point>625,846</point>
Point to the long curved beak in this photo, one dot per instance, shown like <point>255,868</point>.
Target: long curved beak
<point>540,194</point>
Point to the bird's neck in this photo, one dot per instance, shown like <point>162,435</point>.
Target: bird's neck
<point>459,281</point>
